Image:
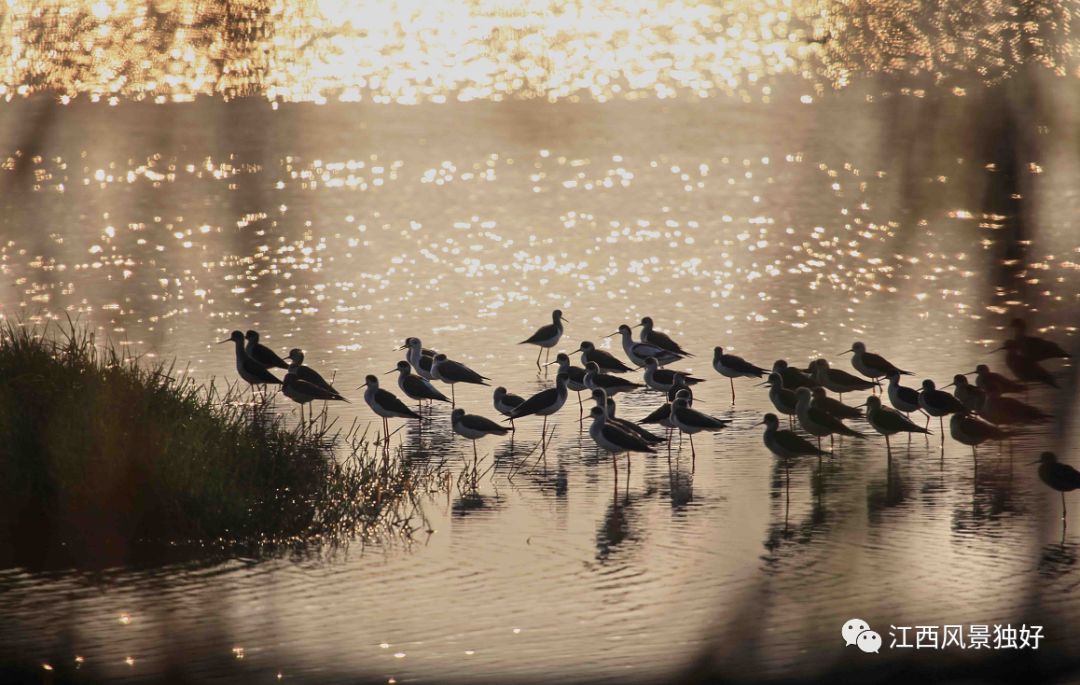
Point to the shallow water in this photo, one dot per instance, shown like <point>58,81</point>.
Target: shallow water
<point>779,229</point>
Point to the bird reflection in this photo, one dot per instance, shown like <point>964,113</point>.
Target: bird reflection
<point>882,495</point>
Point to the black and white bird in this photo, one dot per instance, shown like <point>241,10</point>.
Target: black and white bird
<point>638,352</point>
<point>416,387</point>
<point>1035,349</point>
<point>1060,477</point>
<point>834,406</point>
<point>385,403</point>
<point>1024,368</point>
<point>816,421</point>
<point>793,378</point>
<point>938,403</point>
<point>606,382</point>
<point>888,421</point>
<point>782,398</point>
<point>608,405</point>
<point>302,392</point>
<point>306,373</point>
<point>995,383</point>
<point>1008,411</point>
<point>837,380</point>
<point>544,403</point>
<point>901,397</point>
<point>575,375</point>
<point>547,336</point>
<point>474,427</point>
<point>251,371</point>
<point>650,335</point>
<point>665,379</point>
<point>506,402</point>
<point>691,421</point>
<point>871,365</point>
<point>784,443</point>
<point>613,439</point>
<point>733,366</point>
<point>971,397</point>
<point>969,429</point>
<point>261,353</point>
<point>607,362</point>
<point>421,358</point>
<point>452,372</point>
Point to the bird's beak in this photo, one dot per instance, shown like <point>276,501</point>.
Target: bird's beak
<point>758,385</point>
<point>997,349</point>
<point>224,341</point>
<point>852,349</point>
<point>857,406</point>
<point>564,318</point>
<point>612,335</point>
<point>362,386</point>
<point>637,325</point>
<point>389,372</point>
<point>947,386</point>
<point>550,363</point>
<point>404,347</point>
<point>760,423</point>
<point>1032,463</point>
<point>970,372</point>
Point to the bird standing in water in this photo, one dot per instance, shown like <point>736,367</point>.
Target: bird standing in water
<point>1035,349</point>
<point>474,427</point>
<point>385,404</point>
<point>732,366</point>
<point>1060,477</point>
<point>654,337</point>
<point>261,353</point>
<point>251,371</point>
<point>547,336</point>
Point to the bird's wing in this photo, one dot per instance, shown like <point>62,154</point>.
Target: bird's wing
<point>390,401</point>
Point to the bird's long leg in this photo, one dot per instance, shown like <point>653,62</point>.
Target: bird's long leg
<point>538,353</point>
<point>547,357</point>
<point>453,398</point>
<point>941,426</point>
<point>1063,509</point>
<point>474,451</point>
<point>888,447</point>
<point>732,391</point>
<point>927,421</point>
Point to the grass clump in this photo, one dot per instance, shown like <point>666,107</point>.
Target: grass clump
<point>102,454</point>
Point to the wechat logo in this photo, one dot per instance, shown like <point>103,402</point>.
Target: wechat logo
<point>857,632</point>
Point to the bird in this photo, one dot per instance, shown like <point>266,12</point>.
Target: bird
<point>1060,477</point>
<point>731,367</point>
<point>969,429</point>
<point>793,378</point>
<point>816,421</point>
<point>995,383</point>
<point>261,353</point>
<point>782,398</point>
<point>607,362</point>
<point>901,397</point>
<point>871,365</point>
<point>834,406</point>
<point>607,382</point>
<point>654,337</point>
<point>638,352</point>
<point>613,439</point>
<point>608,405</point>
<point>544,403</point>
<point>416,387</point>
<point>938,403</point>
<point>837,380</point>
<point>691,421</point>
<point>575,375</point>
<point>452,372</point>
<point>1004,411</point>
<point>250,370</point>
<point>664,379</point>
<point>547,336</point>
<point>970,396</point>
<point>505,403</point>
<point>474,427</point>
<point>1024,368</point>
<point>306,373</point>
<point>784,443</point>
<point>385,404</point>
<point>421,358</point>
<point>1035,349</point>
<point>301,391</point>
<point>888,421</point>
<point>662,414</point>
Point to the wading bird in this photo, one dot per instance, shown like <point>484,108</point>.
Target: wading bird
<point>608,405</point>
<point>421,358</point>
<point>665,379</point>
<point>505,403</point>
<point>547,336</point>
<point>782,398</point>
<point>302,392</point>
<point>969,429</point>
<point>732,366</point>
<point>837,380</point>
<point>938,403</point>
<point>638,352</point>
<point>995,383</point>
<point>1025,368</point>
<point>606,382</point>
<point>691,421</point>
<point>544,403</point>
<point>474,427</point>
<point>888,421</point>
<point>416,387</point>
<point>452,372</point>
<point>654,337</point>
<point>1060,477</point>
<point>385,404</point>
<point>306,373</point>
<point>1035,349</point>
<point>816,421</point>
<point>833,406</point>
<point>261,353</point>
<point>784,443</point>
<point>871,365</point>
<point>607,362</point>
<point>901,397</point>
<point>614,439</point>
<point>251,371</point>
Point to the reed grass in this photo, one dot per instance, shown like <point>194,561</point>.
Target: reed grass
<point>101,452</point>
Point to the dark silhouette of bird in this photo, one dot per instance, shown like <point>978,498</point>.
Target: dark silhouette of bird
<point>1035,349</point>
<point>1060,477</point>
<point>261,353</point>
<point>547,336</point>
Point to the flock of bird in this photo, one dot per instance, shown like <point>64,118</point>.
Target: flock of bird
<point>979,412</point>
